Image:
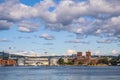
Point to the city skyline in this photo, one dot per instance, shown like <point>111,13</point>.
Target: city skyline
<point>60,26</point>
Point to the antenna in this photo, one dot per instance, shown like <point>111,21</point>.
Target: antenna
<point>10,51</point>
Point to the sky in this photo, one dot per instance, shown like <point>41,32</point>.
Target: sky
<point>59,27</point>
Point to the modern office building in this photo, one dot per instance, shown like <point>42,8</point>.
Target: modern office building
<point>4,55</point>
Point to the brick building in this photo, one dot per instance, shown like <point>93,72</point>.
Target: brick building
<point>8,62</point>
<point>79,55</point>
<point>88,57</point>
<point>81,60</point>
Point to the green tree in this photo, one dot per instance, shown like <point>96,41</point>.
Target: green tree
<point>113,62</point>
<point>61,61</point>
<point>118,56</point>
<point>70,63</point>
<point>81,63</point>
<point>104,61</point>
<point>90,63</point>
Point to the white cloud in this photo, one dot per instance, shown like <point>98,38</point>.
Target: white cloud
<point>69,11</point>
<point>77,41</point>
<point>114,51</point>
<point>104,41</point>
<point>13,10</point>
<point>43,11</point>
<point>47,36</point>
<point>5,25</point>
<point>108,27</point>
<point>26,26</point>
<point>108,40</point>
<point>24,37</point>
<point>20,11</point>
<point>27,53</point>
<point>89,17</point>
<point>97,52</point>
<point>48,43</point>
<point>70,51</point>
<point>73,41</point>
<point>4,40</point>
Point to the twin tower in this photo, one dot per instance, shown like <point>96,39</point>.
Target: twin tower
<point>87,57</point>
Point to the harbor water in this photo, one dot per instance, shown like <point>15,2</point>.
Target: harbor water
<point>60,73</point>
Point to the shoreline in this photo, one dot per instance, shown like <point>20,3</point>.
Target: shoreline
<point>63,65</point>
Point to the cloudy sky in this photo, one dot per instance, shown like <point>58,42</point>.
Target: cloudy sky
<point>60,26</point>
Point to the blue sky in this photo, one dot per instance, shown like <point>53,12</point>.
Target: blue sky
<point>60,26</point>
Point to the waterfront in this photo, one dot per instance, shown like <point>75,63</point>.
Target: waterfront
<point>60,73</point>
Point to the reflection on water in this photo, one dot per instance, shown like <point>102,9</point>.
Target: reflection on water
<point>60,73</point>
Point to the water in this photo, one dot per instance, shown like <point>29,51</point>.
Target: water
<point>60,73</point>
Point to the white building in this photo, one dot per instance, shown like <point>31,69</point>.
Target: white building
<point>53,61</point>
<point>36,61</point>
<point>21,61</point>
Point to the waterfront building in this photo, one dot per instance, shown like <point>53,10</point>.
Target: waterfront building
<point>65,59</point>
<point>74,55</point>
<point>94,61</point>
<point>88,57</point>
<point>78,59</point>
<point>0,62</point>
<point>87,60</point>
<point>8,62</point>
<point>36,61</point>
<point>5,60</point>
<point>21,61</point>
<point>53,61</point>
<point>79,55</point>
<point>4,55</point>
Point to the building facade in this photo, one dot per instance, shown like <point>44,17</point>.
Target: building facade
<point>85,60</point>
<point>8,62</point>
<point>36,61</point>
<point>88,57</point>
